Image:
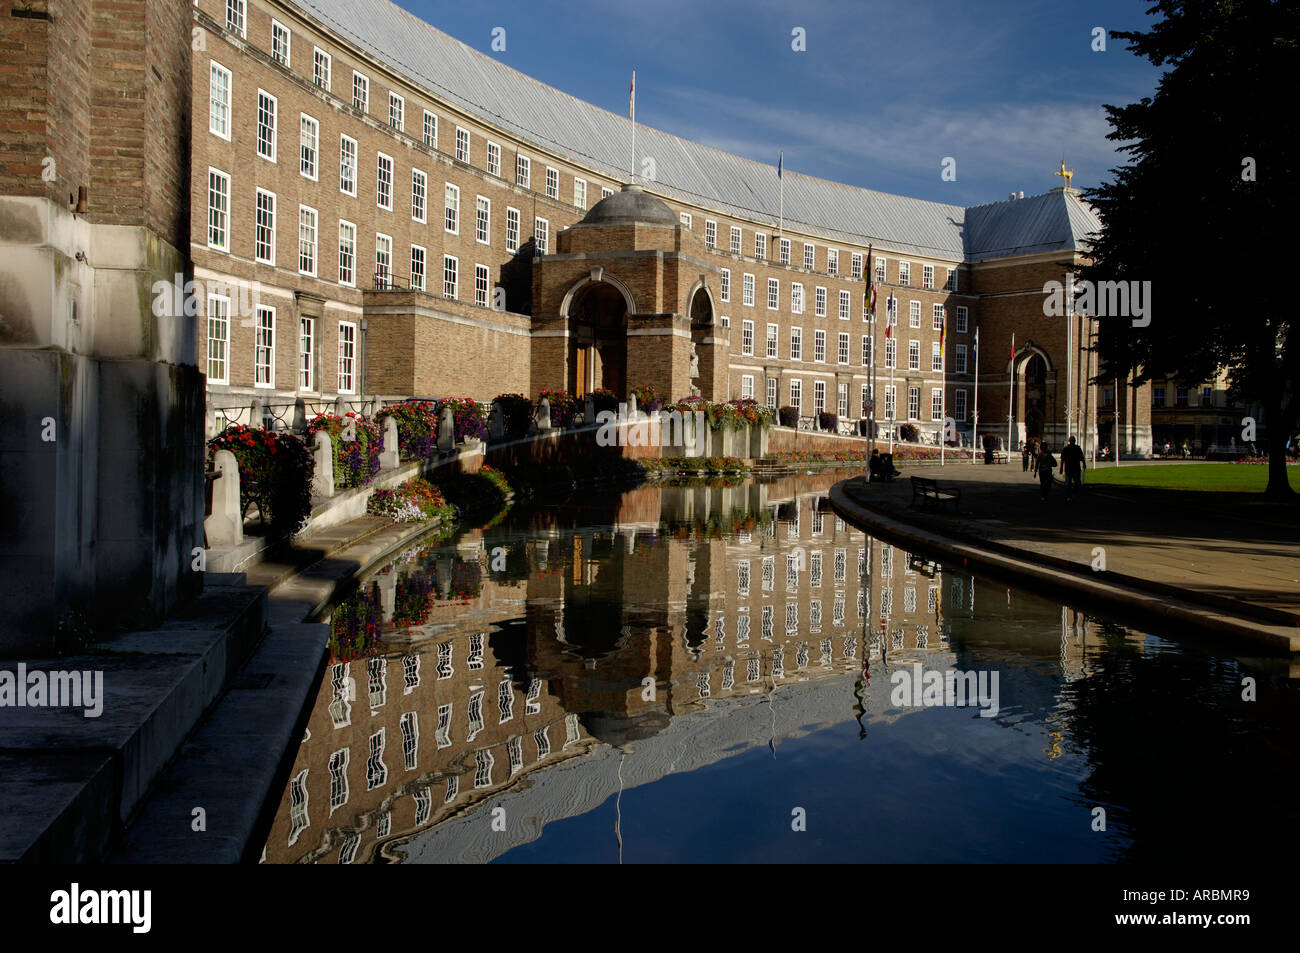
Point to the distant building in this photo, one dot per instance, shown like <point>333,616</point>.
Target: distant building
<point>1202,415</point>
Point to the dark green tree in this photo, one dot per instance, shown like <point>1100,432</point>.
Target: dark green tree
<point>1206,208</point>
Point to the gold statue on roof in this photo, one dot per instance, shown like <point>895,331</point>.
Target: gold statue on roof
<point>1066,174</point>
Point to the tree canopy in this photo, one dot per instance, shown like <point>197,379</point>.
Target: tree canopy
<point>1204,206</point>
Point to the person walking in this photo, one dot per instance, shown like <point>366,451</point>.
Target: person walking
<point>1072,466</point>
<point>1045,465</point>
<point>1024,457</point>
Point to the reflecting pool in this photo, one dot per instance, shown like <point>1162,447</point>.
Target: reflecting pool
<point>734,674</point>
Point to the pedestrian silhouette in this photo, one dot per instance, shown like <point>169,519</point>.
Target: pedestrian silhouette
<point>1046,464</point>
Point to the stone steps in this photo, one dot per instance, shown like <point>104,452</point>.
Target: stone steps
<point>70,783</point>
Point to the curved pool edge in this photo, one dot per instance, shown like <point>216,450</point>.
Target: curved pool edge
<point>1173,610</point>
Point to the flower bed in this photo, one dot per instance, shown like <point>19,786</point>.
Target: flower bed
<point>275,472</point>
<point>481,493</point>
<point>496,477</point>
<point>471,422</point>
<point>417,428</point>
<point>753,413</point>
<point>670,466</point>
<point>901,452</point>
<point>733,415</point>
<point>413,501</point>
<point>820,456</point>
<point>356,461</point>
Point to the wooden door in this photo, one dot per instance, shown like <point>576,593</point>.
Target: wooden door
<point>580,364</point>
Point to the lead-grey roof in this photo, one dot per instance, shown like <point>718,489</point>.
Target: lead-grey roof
<point>688,171</point>
<point>1056,220</point>
<point>631,204</point>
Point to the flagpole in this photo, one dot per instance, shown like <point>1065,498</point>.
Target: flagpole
<point>943,388</point>
<point>870,305</point>
<point>780,222</point>
<point>889,333</point>
<point>871,418</point>
<point>632,111</point>
<point>1011,394</point>
<point>1115,449</point>
<point>975,424</point>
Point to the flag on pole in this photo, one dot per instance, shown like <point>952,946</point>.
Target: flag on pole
<point>976,346</point>
<point>780,162</point>
<point>869,296</point>
<point>631,97</point>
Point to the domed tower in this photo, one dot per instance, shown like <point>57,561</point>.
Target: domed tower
<point>627,300</point>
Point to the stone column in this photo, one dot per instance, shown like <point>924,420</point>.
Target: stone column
<point>446,431</point>
<point>389,457</point>
<point>322,480</point>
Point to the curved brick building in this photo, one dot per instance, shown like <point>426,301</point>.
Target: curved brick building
<point>420,219</point>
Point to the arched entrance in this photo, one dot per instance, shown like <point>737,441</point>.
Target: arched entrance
<point>1035,395</point>
<point>702,356</point>
<point>598,339</point>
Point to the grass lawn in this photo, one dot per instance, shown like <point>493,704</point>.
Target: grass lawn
<point>1222,477</point>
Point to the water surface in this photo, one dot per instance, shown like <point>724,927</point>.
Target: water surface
<point>694,674</point>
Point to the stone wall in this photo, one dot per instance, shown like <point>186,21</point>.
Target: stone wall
<point>101,473</point>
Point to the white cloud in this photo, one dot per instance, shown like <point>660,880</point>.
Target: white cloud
<point>1003,145</point>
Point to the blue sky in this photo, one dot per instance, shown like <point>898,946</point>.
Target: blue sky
<point>884,92</point>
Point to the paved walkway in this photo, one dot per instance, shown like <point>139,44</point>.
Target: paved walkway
<point>1235,552</point>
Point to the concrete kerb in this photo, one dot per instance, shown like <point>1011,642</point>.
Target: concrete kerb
<point>352,562</point>
<point>1171,609</point>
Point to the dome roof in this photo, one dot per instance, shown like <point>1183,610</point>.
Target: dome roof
<point>629,206</point>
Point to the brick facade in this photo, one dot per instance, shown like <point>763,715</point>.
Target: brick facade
<point>481,350</point>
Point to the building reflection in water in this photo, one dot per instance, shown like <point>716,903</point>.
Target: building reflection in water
<point>482,689</point>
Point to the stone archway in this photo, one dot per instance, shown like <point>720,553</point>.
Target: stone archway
<point>597,322</point>
<point>1035,395</point>
<point>1035,383</point>
<point>710,349</point>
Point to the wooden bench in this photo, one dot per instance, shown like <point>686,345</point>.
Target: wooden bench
<point>930,493</point>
